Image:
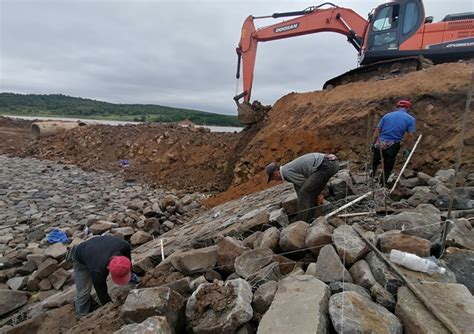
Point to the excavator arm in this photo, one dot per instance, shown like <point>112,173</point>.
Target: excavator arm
<point>309,21</point>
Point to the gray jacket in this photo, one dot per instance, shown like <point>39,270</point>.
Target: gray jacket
<point>300,169</point>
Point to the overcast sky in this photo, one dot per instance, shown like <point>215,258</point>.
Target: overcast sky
<point>176,53</point>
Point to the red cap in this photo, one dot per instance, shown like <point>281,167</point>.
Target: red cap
<point>404,104</point>
<point>120,270</point>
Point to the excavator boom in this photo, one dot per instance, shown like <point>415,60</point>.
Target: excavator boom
<point>312,20</point>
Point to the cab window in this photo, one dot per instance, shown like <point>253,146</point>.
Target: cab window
<point>387,18</point>
<point>411,17</point>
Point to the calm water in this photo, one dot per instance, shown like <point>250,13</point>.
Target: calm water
<point>97,121</point>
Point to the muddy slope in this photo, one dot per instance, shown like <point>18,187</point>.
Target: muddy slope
<point>341,120</point>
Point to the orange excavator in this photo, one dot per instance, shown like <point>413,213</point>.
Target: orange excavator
<point>396,38</point>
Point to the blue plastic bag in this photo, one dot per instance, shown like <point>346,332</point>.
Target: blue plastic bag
<point>57,236</point>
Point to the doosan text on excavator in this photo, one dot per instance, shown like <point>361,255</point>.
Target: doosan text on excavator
<point>396,38</point>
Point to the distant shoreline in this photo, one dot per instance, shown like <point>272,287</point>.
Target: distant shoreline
<point>213,128</point>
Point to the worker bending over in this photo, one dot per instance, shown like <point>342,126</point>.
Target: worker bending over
<point>92,261</point>
<point>386,141</point>
<point>309,174</point>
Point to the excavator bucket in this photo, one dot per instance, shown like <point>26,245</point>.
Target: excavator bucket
<point>248,115</point>
<point>251,113</point>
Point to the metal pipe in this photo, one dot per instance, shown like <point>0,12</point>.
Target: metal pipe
<point>46,129</point>
<point>358,199</point>
<point>406,163</point>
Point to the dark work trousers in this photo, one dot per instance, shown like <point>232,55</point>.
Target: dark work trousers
<point>83,280</point>
<point>312,187</point>
<point>389,156</point>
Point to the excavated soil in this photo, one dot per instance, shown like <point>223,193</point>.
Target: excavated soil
<point>338,120</point>
<point>213,300</point>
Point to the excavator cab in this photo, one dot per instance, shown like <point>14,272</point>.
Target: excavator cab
<point>389,27</point>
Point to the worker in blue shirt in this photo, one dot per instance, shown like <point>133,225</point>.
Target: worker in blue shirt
<point>388,135</point>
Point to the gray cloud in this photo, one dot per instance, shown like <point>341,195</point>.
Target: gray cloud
<point>177,53</point>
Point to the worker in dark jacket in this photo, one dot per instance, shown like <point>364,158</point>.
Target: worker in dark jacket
<point>309,174</point>
<point>386,141</point>
<point>93,260</point>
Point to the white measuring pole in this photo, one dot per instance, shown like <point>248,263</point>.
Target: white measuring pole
<point>406,163</point>
<point>358,199</point>
<point>162,250</point>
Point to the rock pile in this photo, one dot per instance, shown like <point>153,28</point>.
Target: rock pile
<point>248,265</point>
<point>34,270</point>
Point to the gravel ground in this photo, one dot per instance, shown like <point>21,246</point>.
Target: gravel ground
<point>35,193</point>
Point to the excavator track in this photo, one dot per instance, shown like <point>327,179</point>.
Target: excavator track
<point>380,71</point>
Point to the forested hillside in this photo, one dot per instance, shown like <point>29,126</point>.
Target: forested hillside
<point>67,106</point>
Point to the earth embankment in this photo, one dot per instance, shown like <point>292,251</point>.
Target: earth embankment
<point>339,120</point>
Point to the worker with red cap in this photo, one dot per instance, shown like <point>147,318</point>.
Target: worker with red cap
<point>388,135</point>
<point>93,260</point>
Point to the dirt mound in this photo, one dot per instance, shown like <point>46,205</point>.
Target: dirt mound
<point>341,119</point>
<point>171,156</point>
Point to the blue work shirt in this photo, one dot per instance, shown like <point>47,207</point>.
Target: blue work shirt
<point>394,125</point>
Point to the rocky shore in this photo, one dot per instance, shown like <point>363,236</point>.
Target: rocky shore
<point>244,266</point>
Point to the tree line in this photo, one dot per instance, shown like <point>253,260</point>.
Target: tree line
<point>67,106</point>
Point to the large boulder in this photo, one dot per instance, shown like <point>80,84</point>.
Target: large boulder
<point>403,242</point>
<point>270,272</point>
<point>421,195</point>
<point>123,232</point>
<point>167,201</point>
<point>349,244</point>
<point>290,203</point>
<point>362,275</point>
<point>140,237</point>
<point>263,297</point>
<point>461,263</point>
<point>422,225</point>
<point>270,239</point>
<point>160,301</point>
<point>329,267</point>
<point>462,199</point>
<point>11,300</point>
<point>337,287</point>
<point>195,260</point>
<point>340,186</point>
<point>219,307</point>
<point>17,283</point>
<point>102,226</point>
<point>46,268</point>
<point>279,217</point>
<point>319,235</point>
<point>293,236</point>
<point>383,274</point>
<point>228,249</point>
<point>59,277</point>
<point>454,301</point>
<point>299,306</point>
<point>248,224</point>
<point>151,325</point>
<point>56,250</point>
<point>383,297</point>
<point>460,234</point>
<point>252,261</point>
<point>352,313</point>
